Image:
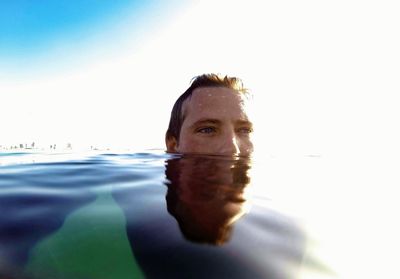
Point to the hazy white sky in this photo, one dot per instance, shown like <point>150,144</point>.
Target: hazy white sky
<point>324,75</point>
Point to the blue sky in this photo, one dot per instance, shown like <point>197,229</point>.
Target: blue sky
<point>25,25</point>
<point>30,31</point>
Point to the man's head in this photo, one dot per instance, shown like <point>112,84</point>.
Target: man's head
<point>211,117</point>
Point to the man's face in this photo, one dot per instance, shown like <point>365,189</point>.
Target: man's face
<point>215,122</point>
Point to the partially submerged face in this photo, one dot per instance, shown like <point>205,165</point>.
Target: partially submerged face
<point>215,122</point>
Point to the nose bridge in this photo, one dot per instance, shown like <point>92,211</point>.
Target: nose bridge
<point>232,143</point>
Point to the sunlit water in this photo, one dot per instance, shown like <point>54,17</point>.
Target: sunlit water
<point>154,215</point>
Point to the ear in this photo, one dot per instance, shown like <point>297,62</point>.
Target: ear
<point>171,144</point>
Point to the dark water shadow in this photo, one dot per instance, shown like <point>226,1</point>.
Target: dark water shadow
<point>208,226</point>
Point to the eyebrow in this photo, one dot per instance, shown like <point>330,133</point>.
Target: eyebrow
<point>206,121</point>
<point>244,122</point>
<point>218,122</point>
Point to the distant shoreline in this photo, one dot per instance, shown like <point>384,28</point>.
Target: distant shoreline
<point>56,148</point>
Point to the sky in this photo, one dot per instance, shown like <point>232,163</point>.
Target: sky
<point>106,73</point>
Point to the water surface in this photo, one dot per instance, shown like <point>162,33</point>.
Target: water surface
<point>141,215</point>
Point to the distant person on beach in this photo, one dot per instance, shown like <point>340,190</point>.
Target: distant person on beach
<point>211,117</point>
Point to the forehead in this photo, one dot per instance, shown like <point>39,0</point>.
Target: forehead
<point>216,101</point>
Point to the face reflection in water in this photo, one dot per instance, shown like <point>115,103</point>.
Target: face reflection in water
<point>207,194</point>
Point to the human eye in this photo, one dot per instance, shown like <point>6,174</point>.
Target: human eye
<point>245,130</point>
<point>206,130</point>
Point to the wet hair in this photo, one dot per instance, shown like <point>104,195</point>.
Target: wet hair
<point>205,80</point>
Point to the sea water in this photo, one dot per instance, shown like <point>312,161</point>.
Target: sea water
<point>151,215</point>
